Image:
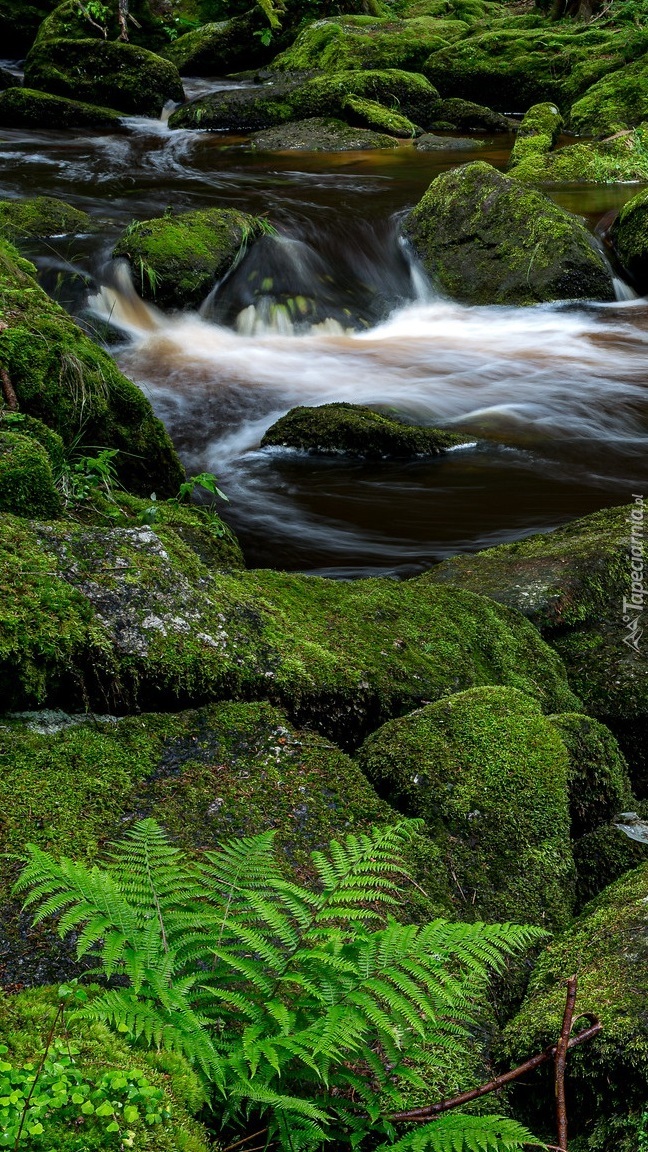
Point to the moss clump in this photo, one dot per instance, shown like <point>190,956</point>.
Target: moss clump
<point>201,529</point>
<point>615,103</point>
<point>370,114</point>
<point>488,773</point>
<point>608,1077</point>
<point>511,69</point>
<point>104,72</point>
<point>353,430</point>
<point>29,426</point>
<point>126,617</point>
<point>622,157</point>
<point>42,216</point>
<point>25,1023</point>
<point>469,117</point>
<point>599,784</point>
<point>26,482</point>
<point>26,108</point>
<point>537,133</point>
<point>63,379</point>
<point>320,134</point>
<point>486,240</point>
<point>629,236</point>
<point>348,42</point>
<point>176,260</point>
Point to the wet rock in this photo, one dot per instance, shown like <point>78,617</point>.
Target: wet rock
<point>629,235</point>
<point>353,430</point>
<point>624,157</point>
<point>7,79</point>
<point>176,260</point>
<point>486,240</point>
<point>468,117</point>
<point>320,134</point>
<point>26,108</point>
<point>63,379</point>
<point>608,1076</point>
<point>247,109</point>
<point>42,216</point>
<point>489,775</point>
<point>26,481</point>
<point>122,76</point>
<point>615,103</point>
<point>537,133</point>
<point>431,143</point>
<point>512,68</point>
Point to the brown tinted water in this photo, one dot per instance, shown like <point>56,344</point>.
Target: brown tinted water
<point>552,400</point>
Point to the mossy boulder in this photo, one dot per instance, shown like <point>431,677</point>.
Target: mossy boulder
<point>320,134</point>
<point>489,775</point>
<point>428,142</point>
<point>575,584</point>
<point>71,20</point>
<point>63,379</point>
<point>130,617</point>
<point>26,481</point>
<point>510,69</point>
<point>42,216</point>
<point>486,240</point>
<point>624,157</point>
<point>348,42</point>
<point>26,1021</point>
<point>369,114</point>
<point>629,235</point>
<point>599,783</point>
<point>176,260</point>
<point>615,103</point>
<point>608,1077</point>
<point>216,49</point>
<point>37,430</point>
<point>248,109</point>
<point>105,72</point>
<point>537,133</point>
<point>26,108</point>
<point>354,430</point>
<point>466,116</point>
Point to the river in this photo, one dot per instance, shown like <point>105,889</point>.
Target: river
<point>552,400</point>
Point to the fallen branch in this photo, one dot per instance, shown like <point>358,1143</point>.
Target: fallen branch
<point>560,1062</point>
<point>8,391</point>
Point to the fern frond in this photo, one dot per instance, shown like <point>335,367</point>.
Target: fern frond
<point>457,1132</point>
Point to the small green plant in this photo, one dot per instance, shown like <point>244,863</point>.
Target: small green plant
<point>87,475</point>
<point>97,14</point>
<point>642,1132</point>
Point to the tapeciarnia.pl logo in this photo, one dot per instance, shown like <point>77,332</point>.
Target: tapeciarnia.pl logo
<point>633,606</point>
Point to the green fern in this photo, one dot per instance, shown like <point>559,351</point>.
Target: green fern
<point>305,1008</point>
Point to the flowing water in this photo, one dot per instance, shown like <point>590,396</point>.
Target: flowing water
<point>552,400</point>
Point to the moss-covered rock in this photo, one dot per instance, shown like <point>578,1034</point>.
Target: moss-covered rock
<point>42,216</point>
<point>624,157</point>
<point>26,1021</point>
<point>26,482</point>
<point>176,260</point>
<point>603,856</point>
<point>46,437</point>
<point>26,108</point>
<point>575,584</point>
<point>369,114</point>
<point>615,103</point>
<point>215,49</point>
<point>248,109</point>
<point>629,235</point>
<point>117,618</point>
<point>348,42</point>
<point>537,133</point>
<point>62,378</point>
<point>320,134</point>
<point>428,142</point>
<point>486,240</point>
<point>608,1077</point>
<point>72,20</point>
<point>468,117</point>
<point>354,430</point>
<point>599,784</point>
<point>510,70</point>
<point>104,72</point>
<point>489,774</point>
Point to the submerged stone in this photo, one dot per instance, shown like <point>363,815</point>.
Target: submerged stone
<point>354,430</point>
<point>486,240</point>
<point>615,103</point>
<point>320,134</point>
<point>26,108</point>
<point>629,235</point>
<point>42,216</point>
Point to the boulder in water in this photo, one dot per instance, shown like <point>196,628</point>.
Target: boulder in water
<point>176,260</point>
<point>122,76</point>
<point>428,142</point>
<point>42,216</point>
<point>370,114</point>
<point>624,157</point>
<point>26,108</point>
<point>320,134</point>
<point>248,109</point>
<point>354,430</point>
<point>486,240</point>
<point>629,235</point>
<point>537,133</point>
<point>615,103</point>
<point>465,116</point>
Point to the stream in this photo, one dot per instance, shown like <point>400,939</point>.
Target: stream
<point>552,400</point>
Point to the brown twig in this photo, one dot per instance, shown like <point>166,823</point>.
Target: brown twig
<point>8,391</point>
<point>561,1060</point>
<point>431,1110</point>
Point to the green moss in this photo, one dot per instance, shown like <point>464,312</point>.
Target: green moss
<point>349,42</point>
<point>356,431</point>
<point>622,158</point>
<point>201,529</point>
<point>607,949</point>
<point>29,426</point>
<point>176,260</point>
<point>319,134</point>
<point>603,856</point>
<point>488,773</point>
<point>216,49</point>
<point>63,379</point>
<point>629,236</point>
<point>537,133</point>
<point>26,481</point>
<point>615,103</point>
<point>239,109</point>
<point>485,240</point>
<point>469,117</point>
<point>25,1023</point>
<point>370,114</point>
<point>599,784</point>
<point>68,21</point>
<point>511,69</point>
<point>42,216</point>
<point>104,72</point>
<point>115,618</point>
<point>26,108</point>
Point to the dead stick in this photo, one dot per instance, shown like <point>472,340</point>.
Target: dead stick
<point>9,393</point>
<point>561,1061</point>
<point>431,1110</point>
